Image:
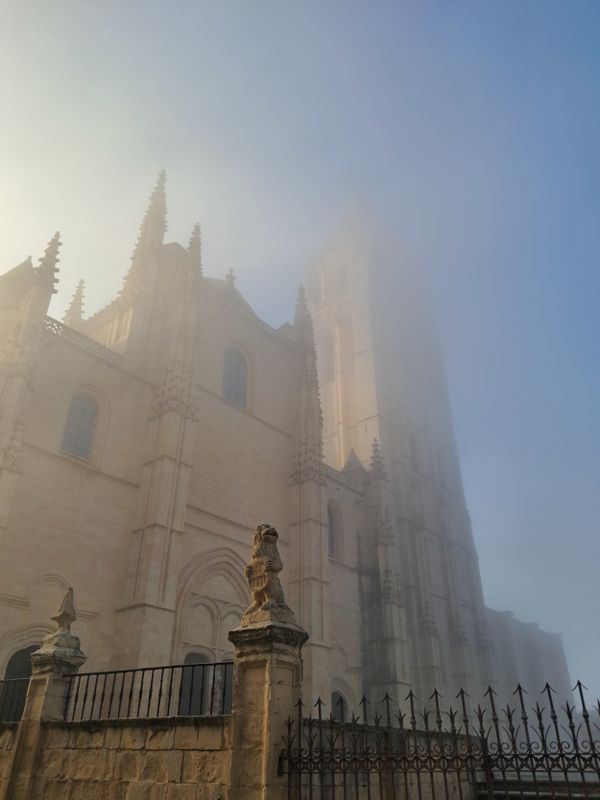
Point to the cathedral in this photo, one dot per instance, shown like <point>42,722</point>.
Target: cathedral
<point>141,446</point>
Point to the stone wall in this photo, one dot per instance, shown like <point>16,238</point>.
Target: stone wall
<point>174,759</point>
<point>8,732</point>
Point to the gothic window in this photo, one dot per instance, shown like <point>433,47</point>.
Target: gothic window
<point>235,378</point>
<point>334,530</point>
<point>78,435</point>
<point>13,692</point>
<point>339,707</point>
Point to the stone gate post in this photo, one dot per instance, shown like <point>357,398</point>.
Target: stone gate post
<point>59,656</point>
<point>268,677</point>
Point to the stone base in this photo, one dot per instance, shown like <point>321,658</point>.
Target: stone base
<point>267,638</point>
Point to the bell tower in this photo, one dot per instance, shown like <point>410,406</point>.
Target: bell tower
<point>381,378</point>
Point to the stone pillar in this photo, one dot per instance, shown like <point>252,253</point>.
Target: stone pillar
<point>268,677</point>
<point>59,657</point>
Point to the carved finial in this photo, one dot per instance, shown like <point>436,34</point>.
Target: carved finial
<point>65,616</point>
<point>154,223</point>
<point>74,314</point>
<point>60,651</point>
<point>152,232</point>
<point>195,248</point>
<point>268,601</point>
<point>47,269</point>
<point>230,279</point>
<point>377,462</point>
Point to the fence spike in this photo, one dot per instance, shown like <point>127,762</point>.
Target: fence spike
<point>386,701</point>
<point>411,697</point>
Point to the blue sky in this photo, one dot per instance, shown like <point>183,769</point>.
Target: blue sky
<point>472,129</point>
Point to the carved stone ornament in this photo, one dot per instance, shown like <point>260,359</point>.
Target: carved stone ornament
<point>60,650</point>
<point>268,601</point>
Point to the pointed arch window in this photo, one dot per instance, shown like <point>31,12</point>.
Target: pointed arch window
<point>339,707</point>
<point>235,379</point>
<point>78,434</point>
<point>334,530</point>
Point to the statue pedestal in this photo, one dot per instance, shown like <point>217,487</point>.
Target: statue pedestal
<point>267,687</point>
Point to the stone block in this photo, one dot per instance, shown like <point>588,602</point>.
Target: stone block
<point>128,765</point>
<point>89,739</point>
<point>51,765</point>
<point>210,737</point>
<point>182,791</point>
<point>145,790</point>
<point>161,766</point>
<point>202,767</point>
<point>112,737</point>
<point>133,737</point>
<point>88,765</point>
<point>117,790</point>
<point>59,738</point>
<point>69,763</point>
<point>186,737</point>
<point>89,790</point>
<point>207,792</point>
<point>160,738</point>
<point>52,790</point>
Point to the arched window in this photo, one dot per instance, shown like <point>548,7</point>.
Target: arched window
<point>78,435</point>
<point>334,530</point>
<point>339,707</point>
<point>235,378</point>
<point>14,689</point>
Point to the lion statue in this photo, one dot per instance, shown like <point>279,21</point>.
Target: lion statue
<point>268,600</point>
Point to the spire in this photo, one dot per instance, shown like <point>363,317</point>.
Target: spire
<point>154,223</point>
<point>302,318</point>
<point>377,462</point>
<point>74,314</point>
<point>152,232</point>
<point>195,248</point>
<point>47,269</point>
<point>308,462</point>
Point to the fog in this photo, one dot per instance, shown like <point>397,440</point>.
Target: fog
<point>470,130</point>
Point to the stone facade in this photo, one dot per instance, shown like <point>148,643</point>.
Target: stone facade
<point>202,420</point>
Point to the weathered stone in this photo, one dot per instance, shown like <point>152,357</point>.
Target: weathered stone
<point>133,737</point>
<point>89,739</point>
<point>60,651</point>
<point>112,737</point>
<point>161,766</point>
<point>186,737</point>
<point>204,767</point>
<point>160,739</point>
<point>268,601</point>
<point>52,763</point>
<point>128,765</point>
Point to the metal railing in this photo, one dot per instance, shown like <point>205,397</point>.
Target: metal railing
<point>181,690</point>
<point>534,749</point>
<point>12,698</point>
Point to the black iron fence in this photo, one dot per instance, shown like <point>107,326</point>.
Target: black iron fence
<point>528,749</point>
<point>12,698</point>
<point>188,690</point>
